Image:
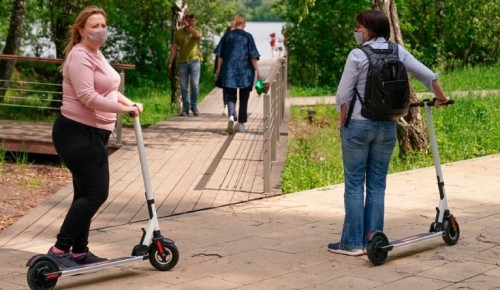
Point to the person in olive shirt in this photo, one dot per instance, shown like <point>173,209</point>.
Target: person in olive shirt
<point>186,46</point>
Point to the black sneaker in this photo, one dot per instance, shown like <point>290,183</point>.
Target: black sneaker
<point>89,258</point>
<point>195,111</point>
<point>184,113</point>
<point>64,260</point>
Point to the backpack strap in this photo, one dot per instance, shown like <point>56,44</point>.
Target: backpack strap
<point>351,106</point>
<point>367,51</point>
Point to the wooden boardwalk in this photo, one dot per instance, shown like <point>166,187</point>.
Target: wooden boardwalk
<point>193,165</point>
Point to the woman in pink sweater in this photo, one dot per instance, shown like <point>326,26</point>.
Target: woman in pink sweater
<point>80,134</point>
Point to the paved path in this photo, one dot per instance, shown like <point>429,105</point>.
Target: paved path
<point>278,242</point>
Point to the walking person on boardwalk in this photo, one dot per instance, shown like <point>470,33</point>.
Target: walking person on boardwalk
<point>272,42</point>
<point>80,133</point>
<point>367,144</point>
<point>186,49</point>
<point>236,69</point>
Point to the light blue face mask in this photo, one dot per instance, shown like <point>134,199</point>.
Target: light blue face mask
<point>358,35</point>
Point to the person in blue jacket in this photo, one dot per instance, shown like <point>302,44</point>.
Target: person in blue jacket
<point>236,69</point>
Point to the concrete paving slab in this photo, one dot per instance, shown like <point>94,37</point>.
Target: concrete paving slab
<point>280,243</point>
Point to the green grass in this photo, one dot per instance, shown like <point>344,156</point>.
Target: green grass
<point>156,102</point>
<point>466,79</point>
<point>465,130</point>
<point>313,149</point>
<point>296,91</point>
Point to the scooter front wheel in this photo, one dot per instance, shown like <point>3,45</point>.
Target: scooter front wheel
<point>376,254</point>
<point>36,275</point>
<point>164,259</point>
<point>451,231</point>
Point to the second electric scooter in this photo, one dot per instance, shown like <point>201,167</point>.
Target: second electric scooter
<point>162,253</point>
<point>445,224</point>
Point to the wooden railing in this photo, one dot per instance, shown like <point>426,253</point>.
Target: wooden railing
<point>47,94</point>
<point>274,111</point>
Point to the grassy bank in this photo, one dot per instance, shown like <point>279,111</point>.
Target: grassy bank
<point>467,79</point>
<point>154,97</point>
<point>468,129</point>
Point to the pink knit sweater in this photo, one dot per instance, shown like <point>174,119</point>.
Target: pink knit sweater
<point>90,89</point>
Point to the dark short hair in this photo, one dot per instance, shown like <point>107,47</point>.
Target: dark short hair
<point>376,22</point>
<point>190,16</point>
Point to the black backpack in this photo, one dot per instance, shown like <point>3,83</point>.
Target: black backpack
<point>387,92</point>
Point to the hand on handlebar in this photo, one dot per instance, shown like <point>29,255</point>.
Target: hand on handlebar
<point>135,110</point>
<point>439,103</point>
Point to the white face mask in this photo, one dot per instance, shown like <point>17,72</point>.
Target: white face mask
<point>358,35</point>
<point>98,38</point>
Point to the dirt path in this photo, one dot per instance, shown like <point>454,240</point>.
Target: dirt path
<point>24,186</point>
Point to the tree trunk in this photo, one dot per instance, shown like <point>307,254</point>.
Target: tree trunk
<point>12,44</point>
<point>60,25</point>
<point>179,7</point>
<point>412,135</point>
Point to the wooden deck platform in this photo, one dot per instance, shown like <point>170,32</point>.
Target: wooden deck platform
<point>193,164</point>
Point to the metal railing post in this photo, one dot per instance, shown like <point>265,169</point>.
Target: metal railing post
<point>273,118</point>
<point>274,112</point>
<point>267,144</point>
<point>119,117</point>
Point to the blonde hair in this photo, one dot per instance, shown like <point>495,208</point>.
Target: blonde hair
<point>75,37</point>
<point>238,20</point>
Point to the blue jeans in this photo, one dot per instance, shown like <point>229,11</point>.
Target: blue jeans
<point>189,75</point>
<point>366,151</point>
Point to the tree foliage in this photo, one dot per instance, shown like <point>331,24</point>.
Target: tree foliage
<point>259,10</point>
<point>319,40</point>
<point>140,31</point>
<point>470,31</point>
<point>444,34</point>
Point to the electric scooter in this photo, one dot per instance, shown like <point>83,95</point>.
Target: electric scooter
<point>162,253</point>
<point>445,224</point>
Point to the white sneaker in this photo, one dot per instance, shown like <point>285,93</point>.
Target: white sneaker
<point>224,111</point>
<point>241,128</point>
<point>230,125</point>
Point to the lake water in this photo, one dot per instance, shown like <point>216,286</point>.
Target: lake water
<point>260,32</point>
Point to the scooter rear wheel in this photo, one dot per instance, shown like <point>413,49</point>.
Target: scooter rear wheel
<point>376,254</point>
<point>36,275</point>
<point>451,231</point>
<point>164,263</point>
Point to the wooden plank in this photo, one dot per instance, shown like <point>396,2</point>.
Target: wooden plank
<point>192,163</point>
<point>206,199</point>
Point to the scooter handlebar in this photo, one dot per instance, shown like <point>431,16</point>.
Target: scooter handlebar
<point>132,113</point>
<point>430,103</point>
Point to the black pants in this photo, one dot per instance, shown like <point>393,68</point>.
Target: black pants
<point>84,151</point>
<point>230,93</point>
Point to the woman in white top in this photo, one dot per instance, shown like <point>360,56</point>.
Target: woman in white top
<point>367,145</point>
